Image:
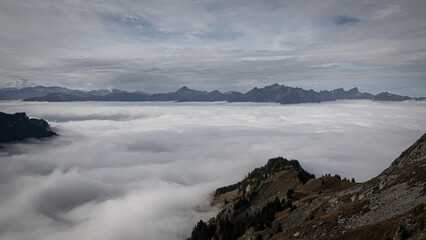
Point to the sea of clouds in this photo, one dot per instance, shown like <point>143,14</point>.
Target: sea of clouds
<point>147,170</point>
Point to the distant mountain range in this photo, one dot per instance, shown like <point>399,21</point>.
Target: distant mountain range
<point>41,91</point>
<point>272,93</point>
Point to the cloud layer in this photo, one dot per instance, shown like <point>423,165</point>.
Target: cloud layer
<point>158,46</point>
<point>145,170</point>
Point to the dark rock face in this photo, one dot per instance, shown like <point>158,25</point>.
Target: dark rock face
<point>18,126</point>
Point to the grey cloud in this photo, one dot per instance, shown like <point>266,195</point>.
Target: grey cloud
<point>65,191</point>
<point>389,11</point>
<point>199,44</point>
<point>345,20</point>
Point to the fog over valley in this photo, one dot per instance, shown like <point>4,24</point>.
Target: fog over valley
<point>145,170</point>
<point>120,119</point>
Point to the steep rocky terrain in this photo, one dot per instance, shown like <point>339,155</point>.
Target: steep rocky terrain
<point>18,126</point>
<point>282,201</point>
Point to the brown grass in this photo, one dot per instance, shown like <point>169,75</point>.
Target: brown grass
<point>220,200</point>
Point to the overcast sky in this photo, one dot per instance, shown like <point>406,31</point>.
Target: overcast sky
<point>158,46</point>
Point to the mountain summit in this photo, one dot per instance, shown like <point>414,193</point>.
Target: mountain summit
<point>282,201</point>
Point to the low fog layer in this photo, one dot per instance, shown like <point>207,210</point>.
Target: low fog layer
<point>145,170</point>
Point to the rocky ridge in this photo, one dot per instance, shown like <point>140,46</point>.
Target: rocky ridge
<point>272,93</point>
<point>389,206</point>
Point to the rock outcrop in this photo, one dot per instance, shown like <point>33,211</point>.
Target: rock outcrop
<point>18,126</point>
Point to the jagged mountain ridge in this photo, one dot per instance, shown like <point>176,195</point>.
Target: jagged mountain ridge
<point>389,206</point>
<point>18,126</point>
<point>272,93</point>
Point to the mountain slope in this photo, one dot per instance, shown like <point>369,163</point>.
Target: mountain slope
<point>282,206</point>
